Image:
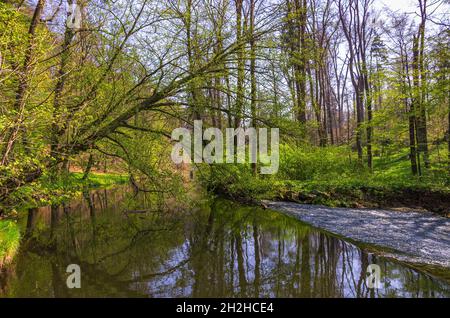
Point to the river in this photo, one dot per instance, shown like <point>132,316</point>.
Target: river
<point>216,248</point>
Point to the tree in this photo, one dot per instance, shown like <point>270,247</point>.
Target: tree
<point>21,95</point>
<point>420,85</point>
<point>356,21</point>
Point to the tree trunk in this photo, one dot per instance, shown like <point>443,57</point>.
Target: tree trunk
<point>421,84</point>
<point>240,65</point>
<point>88,167</point>
<point>57,131</point>
<point>410,110</point>
<point>253,72</point>
<point>23,83</point>
<point>369,121</point>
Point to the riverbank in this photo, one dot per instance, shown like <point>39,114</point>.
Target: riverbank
<point>397,196</point>
<point>43,193</point>
<point>418,238</point>
<point>334,177</point>
<point>364,190</point>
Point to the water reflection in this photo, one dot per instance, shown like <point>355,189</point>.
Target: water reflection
<point>216,250</point>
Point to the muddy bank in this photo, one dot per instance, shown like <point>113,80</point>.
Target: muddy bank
<point>416,237</point>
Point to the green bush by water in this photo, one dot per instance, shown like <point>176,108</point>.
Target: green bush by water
<point>331,176</point>
<point>9,241</point>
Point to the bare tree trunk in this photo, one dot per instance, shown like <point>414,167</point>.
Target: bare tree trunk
<point>88,167</point>
<point>301,66</point>
<point>240,65</point>
<point>420,87</point>
<point>448,127</point>
<point>354,16</point>
<point>359,118</point>
<point>369,120</point>
<point>56,130</point>
<point>410,111</point>
<point>296,40</point>
<point>191,46</point>
<point>253,72</point>
<point>416,102</point>
<point>317,110</point>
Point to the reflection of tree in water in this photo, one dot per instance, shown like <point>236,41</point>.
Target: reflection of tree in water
<point>222,250</point>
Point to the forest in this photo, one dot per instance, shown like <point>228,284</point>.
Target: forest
<point>91,90</point>
<point>354,94</point>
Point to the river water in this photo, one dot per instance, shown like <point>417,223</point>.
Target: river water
<point>215,249</point>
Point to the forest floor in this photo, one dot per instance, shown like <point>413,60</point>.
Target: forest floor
<point>415,237</point>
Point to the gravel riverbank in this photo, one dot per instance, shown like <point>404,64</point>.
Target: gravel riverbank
<point>419,237</point>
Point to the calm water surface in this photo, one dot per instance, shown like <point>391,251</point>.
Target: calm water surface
<point>219,249</point>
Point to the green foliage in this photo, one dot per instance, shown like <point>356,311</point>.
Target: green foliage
<point>331,176</point>
<point>46,191</point>
<point>122,94</point>
<point>9,241</point>
<point>235,180</point>
<point>313,163</point>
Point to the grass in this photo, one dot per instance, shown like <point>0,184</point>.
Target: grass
<point>9,241</point>
<point>98,180</point>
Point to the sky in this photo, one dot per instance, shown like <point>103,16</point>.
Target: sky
<point>401,5</point>
<point>442,14</point>
<point>411,6</point>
